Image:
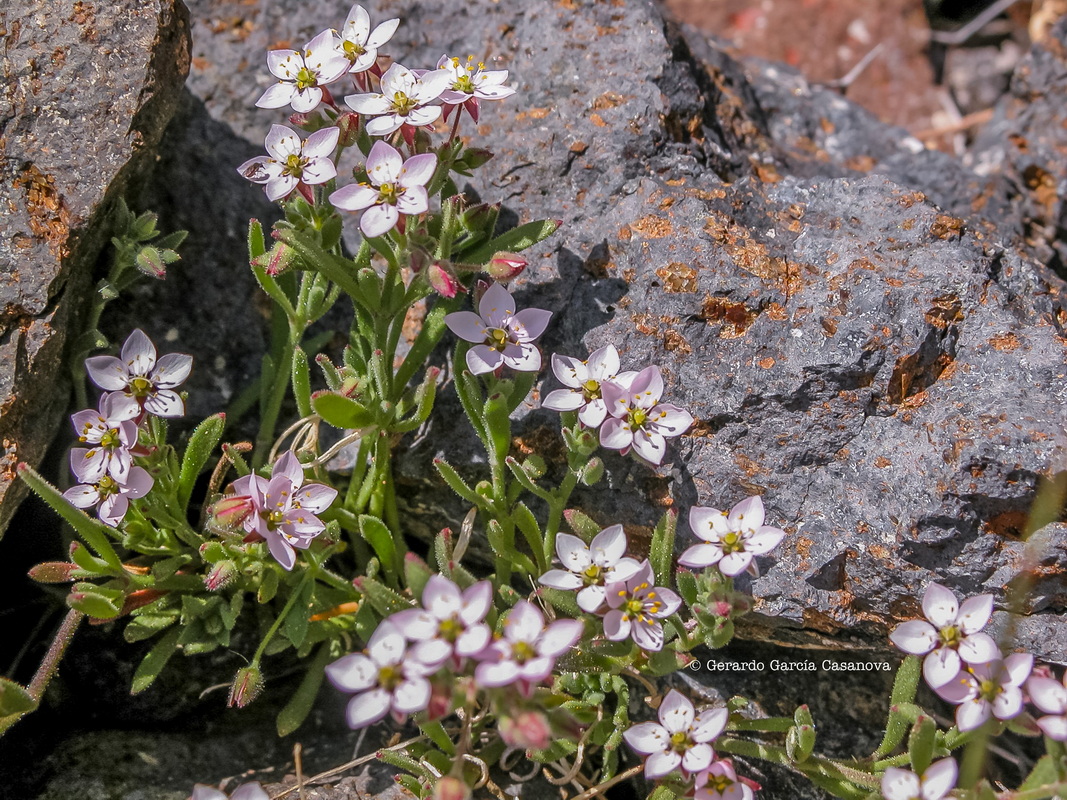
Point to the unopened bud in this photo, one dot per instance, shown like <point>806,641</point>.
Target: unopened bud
<point>276,261</point>
<point>348,125</point>
<point>150,261</point>
<point>474,157</point>
<point>527,729</point>
<point>481,217</point>
<point>443,281</point>
<point>53,572</point>
<point>504,266</point>
<point>592,472</point>
<point>449,788</point>
<point>247,684</point>
<point>222,574</point>
<point>231,510</point>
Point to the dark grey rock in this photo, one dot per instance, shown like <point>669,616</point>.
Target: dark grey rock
<point>89,88</point>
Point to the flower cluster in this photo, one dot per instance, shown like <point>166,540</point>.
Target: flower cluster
<point>625,406</point>
<point>449,631</point>
<point>136,383</point>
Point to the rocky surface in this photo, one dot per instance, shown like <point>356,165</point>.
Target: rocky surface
<point>88,90</point>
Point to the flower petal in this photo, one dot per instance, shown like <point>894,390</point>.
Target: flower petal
<point>466,325</point>
<point>939,605</point>
<point>590,598</point>
<point>978,648</point>
<point>615,435</point>
<point>165,403</point>
<point>383,164</point>
<point>917,637</point>
<point>367,708</point>
<point>352,673</point>
<point>138,353</point>
<point>676,712</point>
<point>975,612</point>
<point>171,370</point>
<point>941,666</point>
<point>355,197</point>
<point>701,555</point>
<point>570,371</point>
<point>413,201</point>
<point>524,623</point>
<point>496,306</point>
<point>282,142</point>
<point>276,96</point>
<point>659,764</point>
<point>647,738</point>
<point>522,357</point>
<point>650,446</point>
<point>282,551</point>
<point>412,695</point>
<point>529,324</point>
<point>382,34</point>
<point>107,372</point>
<point>378,220</point>
<point>939,778</point>
<point>560,637</point>
<point>560,579</point>
<point>563,400</point>
<point>482,359</point>
<point>477,600</point>
<point>417,170</point>
<point>370,105</point>
<point>900,784</point>
<point>648,635</point>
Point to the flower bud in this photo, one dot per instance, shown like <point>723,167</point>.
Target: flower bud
<point>449,788</point>
<point>504,266</point>
<point>527,729</point>
<point>443,281</point>
<point>222,574</point>
<point>474,157</point>
<point>231,511</point>
<point>53,572</point>
<point>276,261</point>
<point>481,217</point>
<point>247,684</point>
<point>348,124</point>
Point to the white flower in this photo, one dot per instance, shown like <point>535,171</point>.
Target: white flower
<point>935,783</point>
<point>991,689</point>
<point>396,187</point>
<point>385,677</point>
<point>137,374</point>
<point>246,791</point>
<point>404,100</point>
<point>358,43</point>
<point>470,82</point>
<point>112,497</point>
<point>584,379</point>
<point>590,567</point>
<point>1051,697</point>
<point>680,740</point>
<point>111,431</point>
<point>451,624</point>
<point>732,539</point>
<point>293,162</point>
<point>503,336</point>
<point>302,74</point>
<point>638,419</point>
<point>951,634</point>
<point>527,651</point>
<point>719,782</point>
<point>636,608</point>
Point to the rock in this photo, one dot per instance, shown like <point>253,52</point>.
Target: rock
<point>89,88</point>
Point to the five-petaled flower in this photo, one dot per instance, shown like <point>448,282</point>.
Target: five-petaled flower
<point>302,74</point>
<point>732,540</point>
<point>950,637</point>
<point>502,336</point>
<point>936,782</point>
<point>283,509</point>
<point>589,568</point>
<point>584,380</point>
<point>112,497</point>
<point>991,689</point>
<point>385,677</point>
<point>403,100</point>
<point>720,782</point>
<point>396,187</point>
<point>637,608</point>
<point>358,43</point>
<point>110,432</point>
<point>527,651</point>
<point>470,82</point>
<point>1051,697</point>
<point>137,374</point>
<point>293,162</point>
<point>637,418</point>
<point>681,739</point>
<point>451,623</point>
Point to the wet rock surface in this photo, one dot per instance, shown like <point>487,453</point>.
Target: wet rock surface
<point>88,90</point>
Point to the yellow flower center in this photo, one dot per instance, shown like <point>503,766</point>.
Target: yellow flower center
<point>294,165</point>
<point>523,652</point>
<point>496,338</point>
<point>951,636</point>
<point>402,104</point>
<point>110,439</point>
<point>106,485</point>
<point>591,390</point>
<point>680,741</point>
<point>637,417</point>
<point>389,193</point>
<point>720,783</point>
<point>732,542</point>
<point>450,629</point>
<point>352,50</point>
<point>989,690</point>
<point>140,387</point>
<point>389,677</point>
<point>591,574</point>
<point>305,79</point>
<point>464,84</point>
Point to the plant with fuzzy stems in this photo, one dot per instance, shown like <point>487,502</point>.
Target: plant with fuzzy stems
<point>486,645</point>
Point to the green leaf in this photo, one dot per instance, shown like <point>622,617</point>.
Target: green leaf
<point>1043,774</point>
<point>153,663</point>
<point>98,602</point>
<point>337,269</point>
<point>661,551</point>
<point>299,706</point>
<point>257,244</point>
<point>498,425</point>
<point>515,240</point>
<point>201,445</point>
<point>383,599</point>
<point>554,752</point>
<point>424,397</point>
<point>562,601</point>
<point>81,556</point>
<point>921,744</point>
<point>296,622</point>
<point>301,382</point>
<point>662,793</point>
<point>527,523</point>
<point>456,483</point>
<point>94,532</point>
<point>14,698</point>
<point>146,626</point>
<point>583,526</point>
<point>381,539</point>
<point>416,574</point>
<point>341,411</point>
<point>268,585</point>
<point>687,586</point>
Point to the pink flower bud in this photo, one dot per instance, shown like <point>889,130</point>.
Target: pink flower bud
<point>247,684</point>
<point>504,266</point>
<point>527,729</point>
<point>449,788</point>
<point>231,511</point>
<point>443,281</point>
<point>276,261</point>
<point>222,574</point>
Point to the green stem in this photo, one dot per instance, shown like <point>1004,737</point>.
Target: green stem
<point>556,506</point>
<point>281,617</point>
<point>814,764</point>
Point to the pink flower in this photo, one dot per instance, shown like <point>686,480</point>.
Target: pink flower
<point>384,678</point>
<point>403,100</point>
<point>137,374</point>
<point>396,187</point>
<point>358,43</point>
<point>293,162</point>
<point>952,636</point>
<point>503,336</point>
<point>112,432</point>
<point>638,419</point>
<point>935,783</point>
<point>991,689</point>
<point>584,380</point>
<point>283,510</point>
<point>732,539</point>
<point>590,567</point>
<point>1051,697</point>
<point>302,74</point>
<point>470,82</point>
<point>636,608</point>
<point>527,651</point>
<point>246,791</point>
<point>680,740</point>
<point>451,624</point>
<point>112,497</point>
<point>720,782</point>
